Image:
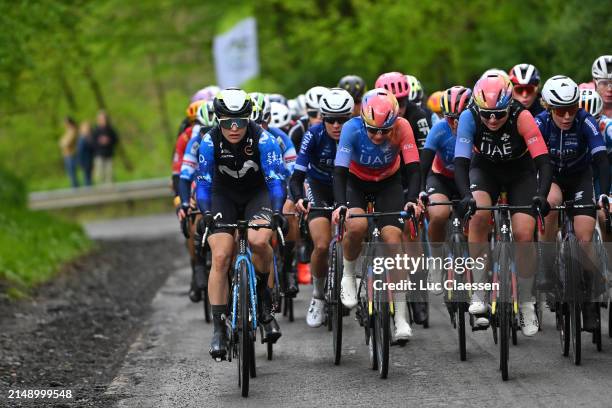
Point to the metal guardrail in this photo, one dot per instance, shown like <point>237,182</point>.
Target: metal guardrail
<point>102,194</point>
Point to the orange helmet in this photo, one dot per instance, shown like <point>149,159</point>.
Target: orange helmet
<point>433,103</point>
<point>192,109</point>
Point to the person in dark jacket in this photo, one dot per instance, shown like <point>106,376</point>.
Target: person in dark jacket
<point>105,140</point>
<point>85,151</point>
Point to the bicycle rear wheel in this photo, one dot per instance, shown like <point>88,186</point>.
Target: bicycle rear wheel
<point>564,323</point>
<point>382,328</point>
<point>597,331</point>
<point>575,332</point>
<point>336,303</point>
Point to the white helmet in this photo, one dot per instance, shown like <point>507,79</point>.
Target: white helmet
<point>602,67</point>
<point>416,90</point>
<point>293,108</point>
<point>560,91</point>
<point>591,101</point>
<point>313,95</point>
<point>495,71</point>
<point>336,102</point>
<point>206,114</point>
<point>279,115</point>
<point>301,104</point>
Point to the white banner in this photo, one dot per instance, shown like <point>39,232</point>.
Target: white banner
<point>236,55</point>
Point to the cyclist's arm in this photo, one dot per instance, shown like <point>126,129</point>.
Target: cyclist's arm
<point>272,166</point>
<point>289,154</point>
<point>296,134</point>
<point>599,154</point>
<point>188,169</point>
<point>463,151</point>
<point>301,166</point>
<point>410,158</point>
<point>205,173</point>
<point>429,152</point>
<point>342,163</point>
<point>529,130</point>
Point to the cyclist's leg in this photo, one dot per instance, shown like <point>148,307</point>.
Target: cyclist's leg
<point>548,246</point>
<point>320,232</point>
<point>289,250</point>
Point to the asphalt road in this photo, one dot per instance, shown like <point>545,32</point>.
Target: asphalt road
<point>168,365</point>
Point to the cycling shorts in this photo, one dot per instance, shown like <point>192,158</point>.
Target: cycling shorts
<point>234,206</point>
<point>578,187</point>
<point>388,196</point>
<point>518,176</point>
<point>439,184</point>
<point>319,195</point>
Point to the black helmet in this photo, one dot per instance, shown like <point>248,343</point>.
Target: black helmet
<point>233,103</point>
<point>355,85</point>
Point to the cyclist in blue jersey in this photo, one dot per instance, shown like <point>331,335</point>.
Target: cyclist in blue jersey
<point>262,116</point>
<point>368,163</point>
<point>438,169</point>
<point>315,163</point>
<point>602,76</point>
<point>573,141</point>
<point>526,81</point>
<point>236,160</point>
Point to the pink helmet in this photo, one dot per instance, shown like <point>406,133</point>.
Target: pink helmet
<point>586,85</point>
<point>379,108</point>
<point>206,94</point>
<point>493,92</point>
<point>454,100</point>
<point>394,82</point>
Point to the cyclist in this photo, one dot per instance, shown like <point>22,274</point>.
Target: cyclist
<point>280,118</point>
<point>574,142</point>
<point>312,115</point>
<point>526,81</point>
<point>592,103</point>
<point>205,94</point>
<point>419,119</point>
<point>497,144</point>
<point>433,104</point>
<point>236,159</point>
<point>356,86</point>
<point>205,119</point>
<point>602,76</point>
<point>181,144</point>
<point>262,115</point>
<point>315,162</point>
<point>368,162</point>
<point>438,170</point>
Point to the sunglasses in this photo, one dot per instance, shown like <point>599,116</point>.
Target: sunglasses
<point>336,119</point>
<point>375,130</point>
<point>230,122</point>
<point>497,114</point>
<point>312,114</point>
<point>604,83</point>
<point>524,89</point>
<point>571,110</point>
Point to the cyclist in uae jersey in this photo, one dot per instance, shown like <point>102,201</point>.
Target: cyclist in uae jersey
<point>438,171</point>
<point>498,143</point>
<point>368,163</point>
<point>574,144</point>
<point>315,162</point>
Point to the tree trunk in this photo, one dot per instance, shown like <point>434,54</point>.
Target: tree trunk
<point>160,91</point>
<point>67,89</point>
<point>94,85</point>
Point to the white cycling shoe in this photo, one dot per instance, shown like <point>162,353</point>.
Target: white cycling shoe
<point>348,291</point>
<point>478,307</point>
<point>316,313</point>
<point>403,331</point>
<point>434,278</point>
<point>528,319</point>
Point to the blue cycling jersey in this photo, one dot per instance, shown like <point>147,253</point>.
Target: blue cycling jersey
<point>442,141</point>
<point>287,148</point>
<point>605,127</point>
<point>243,166</point>
<point>317,154</point>
<point>190,158</point>
<point>570,150</point>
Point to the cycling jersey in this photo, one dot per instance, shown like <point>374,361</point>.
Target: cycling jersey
<point>605,127</point>
<point>441,140</point>
<point>317,154</point>
<point>296,133</point>
<point>179,150</point>
<point>245,166</point>
<point>420,122</point>
<point>434,119</point>
<point>514,139</point>
<point>189,164</point>
<point>287,149</point>
<point>536,107</point>
<point>372,162</point>
<point>571,150</point>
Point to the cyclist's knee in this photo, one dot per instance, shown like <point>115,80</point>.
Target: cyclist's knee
<point>523,234</point>
<point>221,260</point>
<point>357,227</point>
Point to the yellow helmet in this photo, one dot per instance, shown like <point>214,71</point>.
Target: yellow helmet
<point>192,109</point>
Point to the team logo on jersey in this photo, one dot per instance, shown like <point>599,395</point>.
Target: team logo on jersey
<point>248,150</point>
<point>505,137</point>
<point>246,166</point>
<point>578,195</point>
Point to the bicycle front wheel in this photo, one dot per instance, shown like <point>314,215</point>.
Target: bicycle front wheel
<point>382,331</point>
<point>336,303</point>
<point>504,309</point>
<point>245,345</point>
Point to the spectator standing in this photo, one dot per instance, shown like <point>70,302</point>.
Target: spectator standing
<point>105,140</point>
<point>68,144</point>
<point>85,151</point>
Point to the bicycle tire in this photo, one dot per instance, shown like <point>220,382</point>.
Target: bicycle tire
<point>597,331</point>
<point>575,331</point>
<point>610,318</point>
<point>573,274</point>
<point>564,336</point>
<point>382,329</point>
<point>207,312</point>
<point>336,304</point>
<point>290,309</point>
<point>244,332</point>
<point>514,331</point>
<point>460,315</point>
<point>504,309</point>
<point>270,350</point>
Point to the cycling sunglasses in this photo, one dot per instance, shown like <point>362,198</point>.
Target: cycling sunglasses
<point>313,114</point>
<point>498,114</point>
<point>565,110</point>
<point>604,83</point>
<point>336,119</point>
<point>524,89</point>
<point>228,123</point>
<point>375,130</point>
